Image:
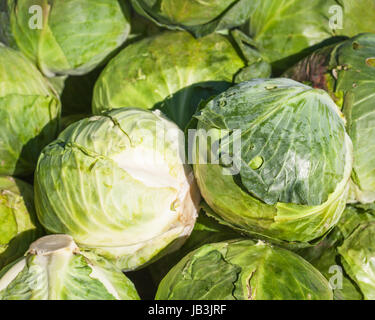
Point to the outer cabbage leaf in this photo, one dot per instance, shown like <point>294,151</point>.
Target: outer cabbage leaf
<point>243,270</point>
<point>99,27</point>
<point>357,255</point>
<point>198,17</point>
<point>18,224</point>
<point>29,113</point>
<point>347,72</point>
<point>309,24</point>
<point>54,269</point>
<point>346,256</point>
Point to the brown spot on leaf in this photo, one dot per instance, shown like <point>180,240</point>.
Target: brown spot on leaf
<point>312,70</point>
<point>355,45</point>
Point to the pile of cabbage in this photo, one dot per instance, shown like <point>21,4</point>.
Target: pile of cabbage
<point>187,150</point>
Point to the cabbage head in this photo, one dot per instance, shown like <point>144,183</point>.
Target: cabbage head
<point>53,268</point>
<point>66,36</point>
<point>272,158</point>
<point>198,17</point>
<point>173,72</point>
<point>347,72</point>
<point>309,23</point>
<point>19,226</point>
<point>118,184</point>
<point>243,270</point>
<point>346,256</point>
<point>29,113</point>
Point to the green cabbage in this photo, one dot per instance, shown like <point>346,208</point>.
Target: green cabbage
<point>18,222</point>
<point>272,158</point>
<point>198,17</point>
<point>118,184</point>
<point>347,72</point>
<point>74,36</point>
<point>243,270</point>
<point>346,256</point>
<point>54,269</point>
<point>29,113</point>
<point>285,30</point>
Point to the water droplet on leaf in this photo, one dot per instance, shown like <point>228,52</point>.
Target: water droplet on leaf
<point>370,62</point>
<point>256,162</point>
